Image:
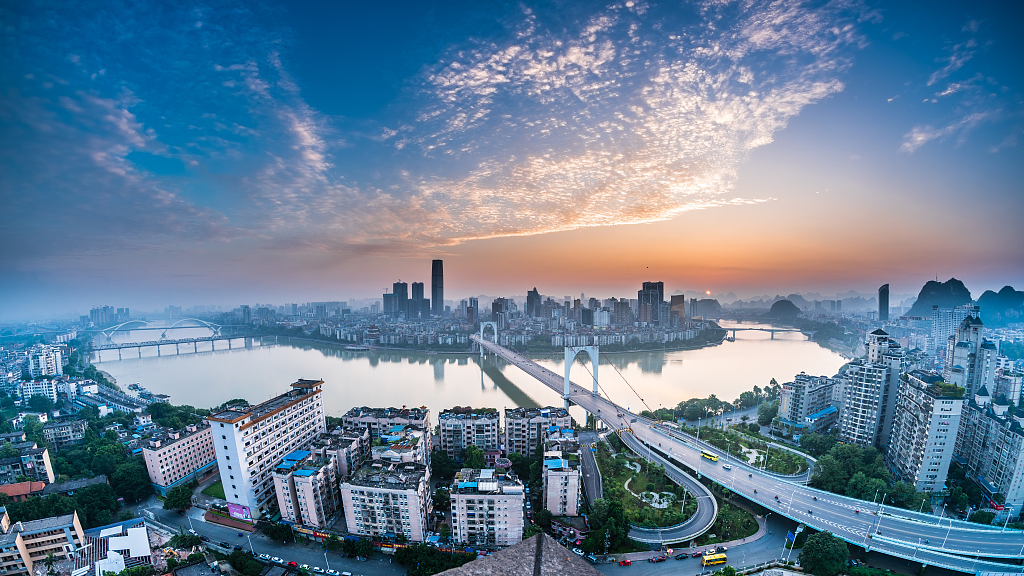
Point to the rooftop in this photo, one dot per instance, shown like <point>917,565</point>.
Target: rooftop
<point>403,412</point>
<point>389,475</point>
<point>485,481</point>
<point>546,412</point>
<point>299,389</point>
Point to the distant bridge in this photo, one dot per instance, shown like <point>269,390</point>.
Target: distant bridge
<point>146,325</point>
<point>178,343</point>
<point>772,330</point>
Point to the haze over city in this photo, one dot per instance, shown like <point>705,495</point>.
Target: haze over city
<point>220,153</point>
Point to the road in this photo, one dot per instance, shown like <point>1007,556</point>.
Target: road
<point>592,485</point>
<point>942,542</point>
<point>298,552</point>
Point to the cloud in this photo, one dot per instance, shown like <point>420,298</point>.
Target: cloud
<point>959,54</point>
<point>921,135</point>
<point>619,117</point>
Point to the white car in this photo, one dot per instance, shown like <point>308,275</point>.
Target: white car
<point>264,556</point>
<point>727,467</point>
<point>577,551</point>
<point>318,570</point>
<point>277,560</point>
<point>334,573</point>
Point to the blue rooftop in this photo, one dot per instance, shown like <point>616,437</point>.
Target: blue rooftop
<point>823,413</point>
<point>303,472</point>
<point>556,463</point>
<point>298,455</point>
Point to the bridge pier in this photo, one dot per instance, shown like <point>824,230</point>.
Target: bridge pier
<point>571,352</point>
<point>195,347</point>
<point>118,353</point>
<point>773,334</point>
<point>229,343</point>
<point>176,351</point>
<point>158,350</point>
<point>140,351</point>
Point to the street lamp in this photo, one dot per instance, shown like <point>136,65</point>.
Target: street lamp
<point>941,514</point>
<point>249,538</point>
<point>326,561</point>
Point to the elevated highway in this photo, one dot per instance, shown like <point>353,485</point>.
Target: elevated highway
<point>944,542</point>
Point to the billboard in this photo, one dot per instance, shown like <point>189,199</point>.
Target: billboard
<point>239,512</point>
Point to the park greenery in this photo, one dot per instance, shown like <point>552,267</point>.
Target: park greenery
<point>179,497</point>
<point>245,564</point>
<point>824,555</point>
<point>97,505</point>
<point>733,522</point>
<point>646,495</point>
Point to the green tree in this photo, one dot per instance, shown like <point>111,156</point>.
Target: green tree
<point>531,531</point>
<point>543,518</point>
<point>445,532</point>
<point>333,543</point>
<point>179,498</point>
<point>244,563</point>
<point>767,412</point>
<point>474,457</point>
<point>982,517</point>
<point>364,547</point>
<point>184,541</point>
<point>818,444</point>
<point>441,465</point>
<point>824,555</point>
<point>281,532</point>
<point>39,403</point>
<point>8,450</point>
<point>131,481</point>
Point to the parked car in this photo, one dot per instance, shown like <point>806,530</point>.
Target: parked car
<point>625,562</point>
<point>318,570</point>
<point>264,556</point>
<point>293,564</point>
<point>237,546</point>
<point>577,551</point>
<point>192,532</point>
<point>277,560</point>
<point>225,545</point>
<point>204,538</point>
<point>697,554</point>
<point>721,549</point>
<point>304,567</point>
<point>592,558</point>
<point>334,573</point>
<point>657,559</point>
<point>682,556</point>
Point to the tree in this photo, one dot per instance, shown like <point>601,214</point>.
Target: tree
<point>982,517</point>
<point>244,563</point>
<point>332,543</point>
<point>767,412</point>
<point>543,518</point>
<point>445,532</point>
<point>280,532</point>
<point>824,555</point>
<point>179,498</point>
<point>184,541</point>
<point>49,562</point>
<point>364,547</point>
<point>40,403</point>
<point>474,457</point>
<point>441,465</point>
<point>8,450</point>
<point>442,500</point>
<point>531,531</point>
<point>818,444</point>
<point>131,481</point>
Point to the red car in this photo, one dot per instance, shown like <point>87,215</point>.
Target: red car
<point>293,564</point>
<point>657,559</point>
<point>696,554</point>
<point>625,562</point>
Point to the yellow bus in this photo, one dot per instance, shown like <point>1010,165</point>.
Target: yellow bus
<point>713,559</point>
<point>709,455</point>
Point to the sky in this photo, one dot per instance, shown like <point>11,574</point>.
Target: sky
<point>187,152</point>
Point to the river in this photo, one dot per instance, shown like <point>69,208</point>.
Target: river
<point>438,381</point>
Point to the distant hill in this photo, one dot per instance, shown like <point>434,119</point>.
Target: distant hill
<point>1001,308</point>
<point>948,294</point>
<point>784,310</point>
<point>709,308</point>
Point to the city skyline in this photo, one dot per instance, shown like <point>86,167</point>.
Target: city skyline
<point>196,154</point>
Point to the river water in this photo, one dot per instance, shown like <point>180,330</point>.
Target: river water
<point>392,378</point>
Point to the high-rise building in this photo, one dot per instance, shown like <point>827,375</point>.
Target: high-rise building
<point>460,429</point>
<point>651,297</point>
<point>437,287</point>
<point>677,309</point>
<point>945,322</point>
<point>970,359</point>
<point>419,307</point>
<point>501,312</point>
<point>24,544</point>
<point>250,441</point>
<point>401,292</point>
<point>990,447</point>
<point>533,307</point>
<point>385,498</point>
<point>804,396</point>
<point>487,508</point>
<point>883,303</point>
<point>526,428</point>
<point>45,360</point>
<point>925,429</point>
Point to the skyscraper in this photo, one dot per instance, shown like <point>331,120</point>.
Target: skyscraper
<point>650,298</point>
<point>419,307</point>
<point>401,292</point>
<point>533,303</point>
<point>883,303</point>
<point>437,287</point>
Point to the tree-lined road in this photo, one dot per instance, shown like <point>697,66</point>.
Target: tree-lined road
<point>942,542</point>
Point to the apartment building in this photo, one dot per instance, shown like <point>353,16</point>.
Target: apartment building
<point>175,457</point>
<point>307,489</point>
<point>388,498</point>
<point>803,397</point>
<point>870,389</point>
<point>45,360</point>
<point>25,544</point>
<point>970,359</point>
<point>378,420</point>
<point>487,508</point>
<point>526,428</point>
<point>47,388</point>
<point>990,448</point>
<point>63,433</point>
<point>562,484</point>
<point>925,430</point>
<point>460,428</point>
<point>250,441</point>
<point>31,461</point>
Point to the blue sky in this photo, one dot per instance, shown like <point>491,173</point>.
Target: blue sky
<point>195,152</point>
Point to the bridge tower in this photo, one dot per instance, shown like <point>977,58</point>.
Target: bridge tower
<point>571,352</point>
<point>494,326</point>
